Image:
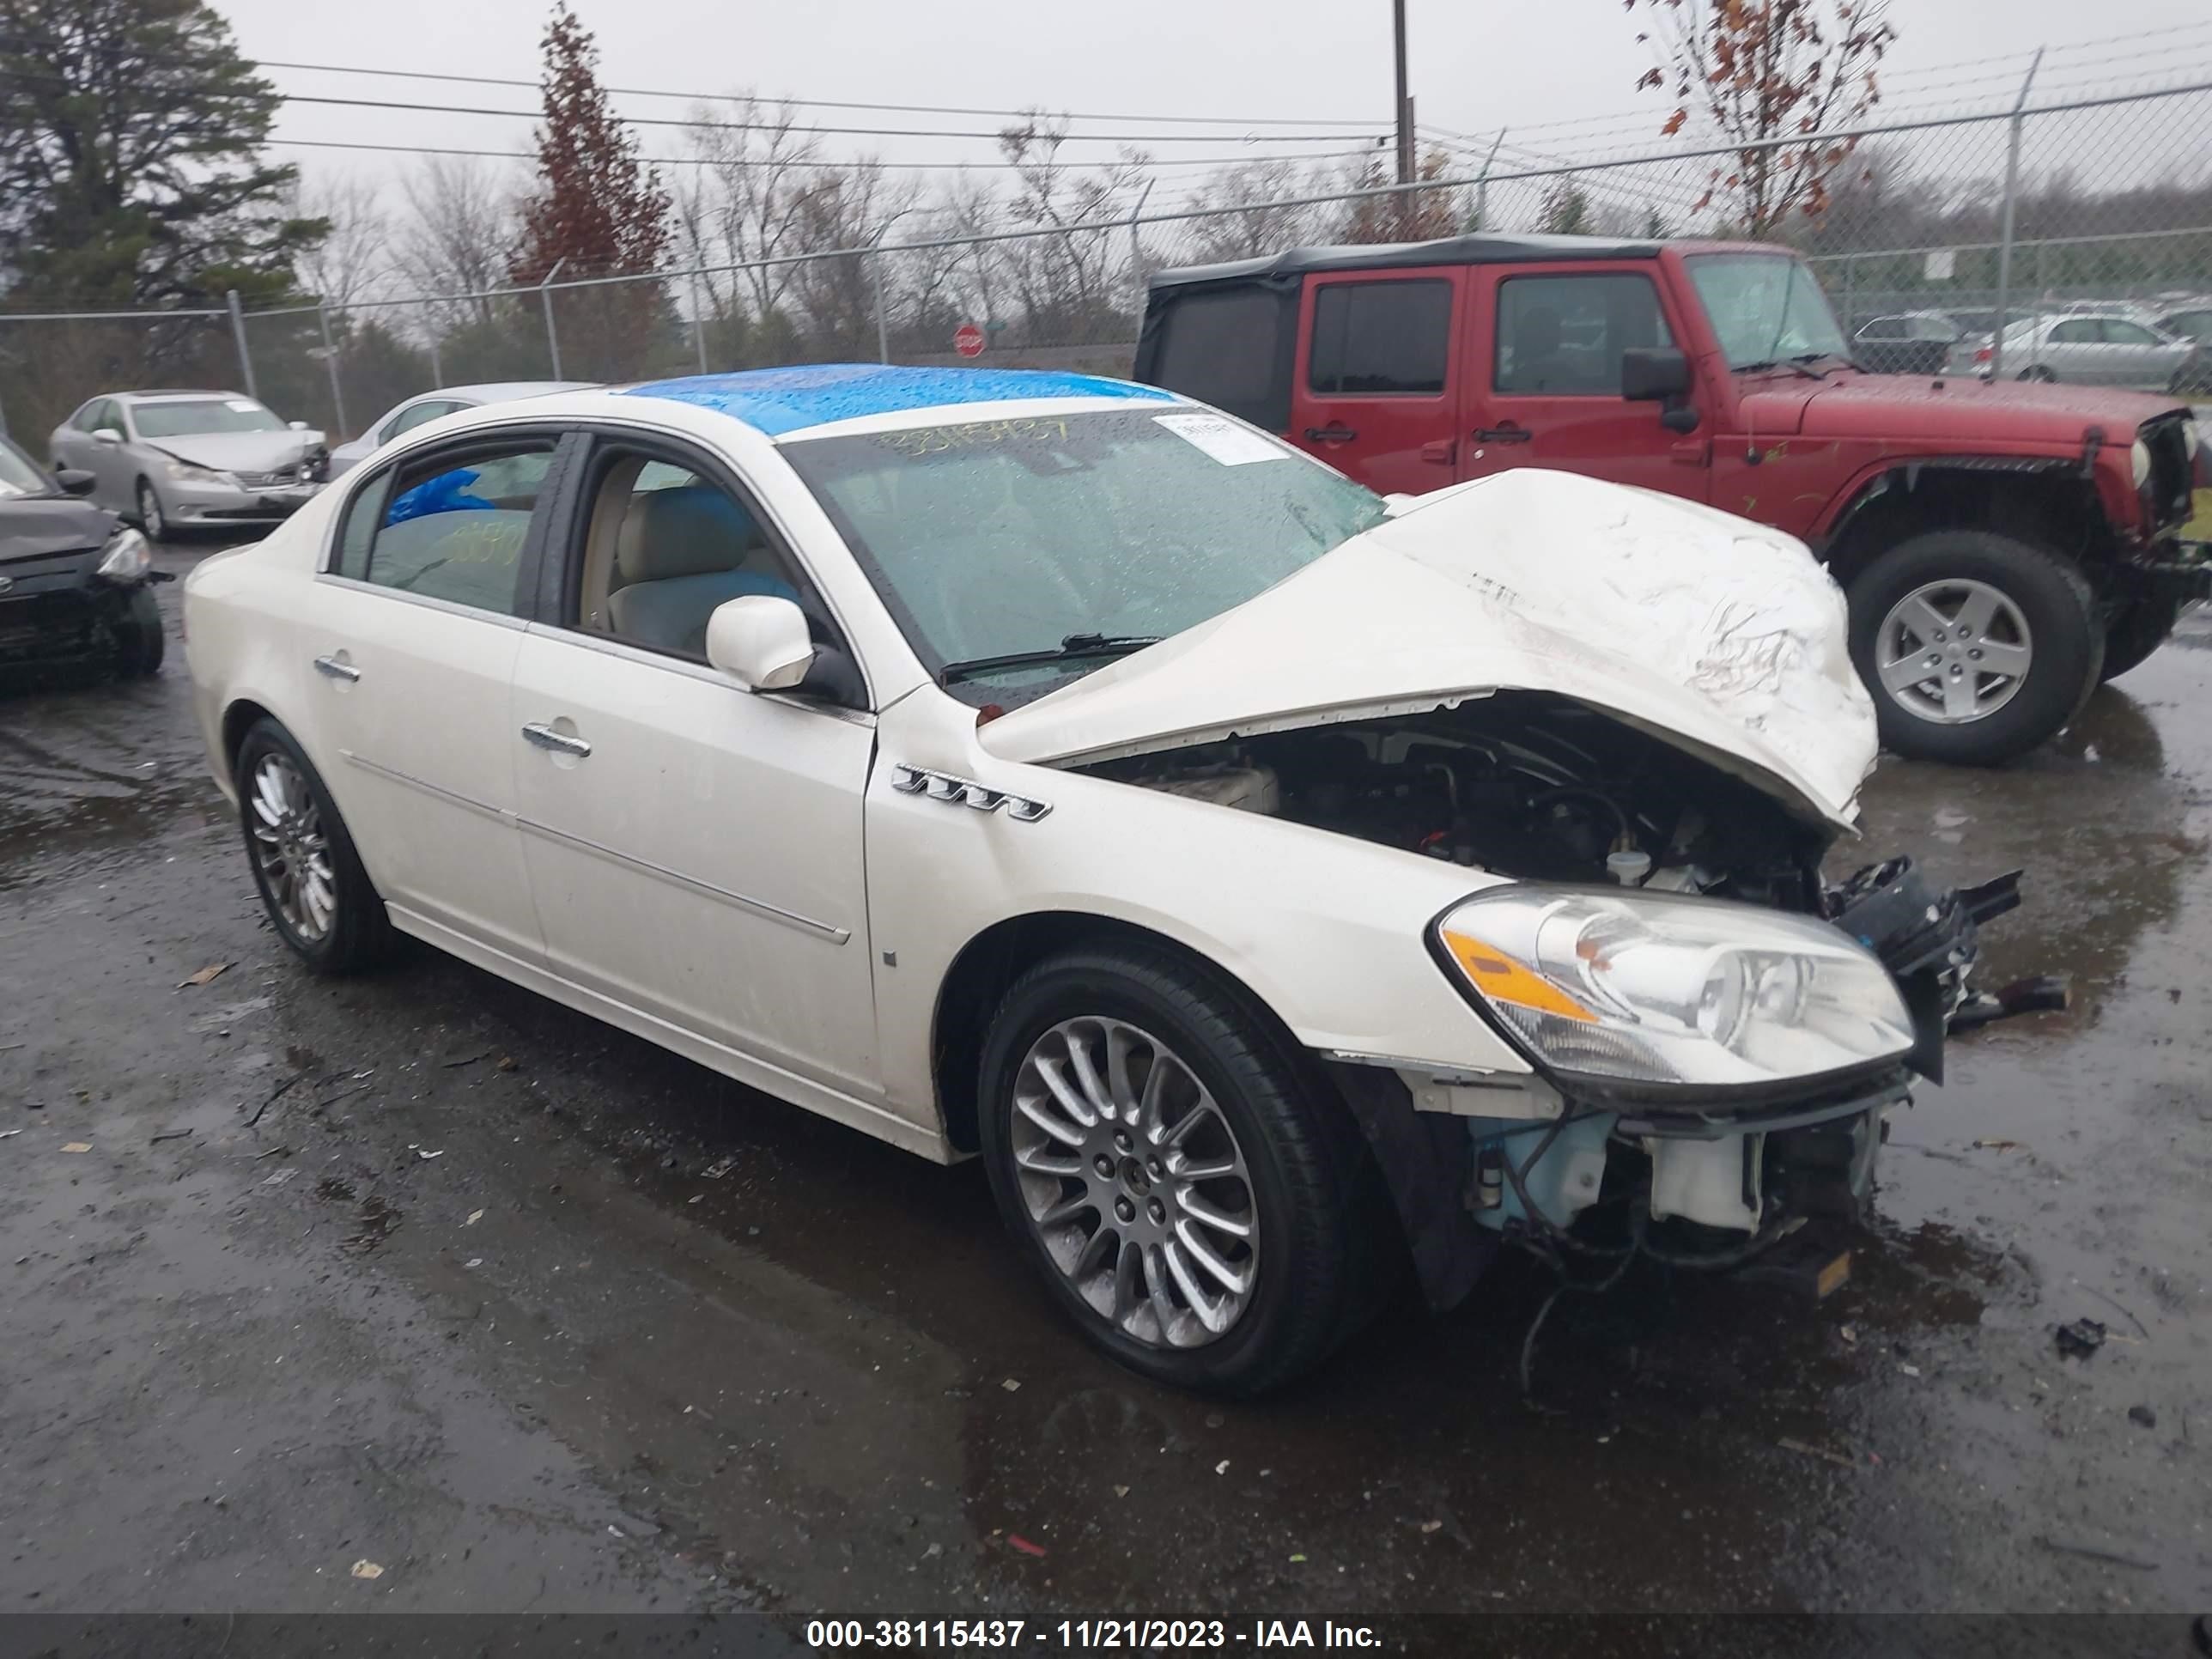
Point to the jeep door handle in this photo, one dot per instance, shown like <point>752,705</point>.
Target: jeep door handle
<point>331,668</point>
<point>559,742</point>
<point>1502,435</point>
<point>1331,434</point>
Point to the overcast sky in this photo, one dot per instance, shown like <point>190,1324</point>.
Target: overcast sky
<point>1529,65</point>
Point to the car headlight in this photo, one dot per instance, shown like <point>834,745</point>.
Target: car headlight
<point>185,472</point>
<point>127,558</point>
<point>1641,989</point>
<point>2141,455</point>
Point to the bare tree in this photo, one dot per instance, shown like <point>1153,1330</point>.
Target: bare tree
<point>1066,282</point>
<point>752,198</point>
<point>1269,216</point>
<point>1403,215</point>
<point>354,261</point>
<point>1765,70</point>
<point>460,233</point>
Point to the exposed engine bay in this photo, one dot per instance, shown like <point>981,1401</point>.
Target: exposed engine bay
<point>1537,787</point>
<point>1526,784</point>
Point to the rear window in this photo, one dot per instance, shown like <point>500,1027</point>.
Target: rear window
<point>1230,347</point>
<point>1380,337</point>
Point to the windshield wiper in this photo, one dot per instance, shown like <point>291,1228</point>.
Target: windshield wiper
<point>1795,365</point>
<point>1073,647</point>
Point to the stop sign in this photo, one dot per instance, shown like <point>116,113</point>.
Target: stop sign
<point>968,340</point>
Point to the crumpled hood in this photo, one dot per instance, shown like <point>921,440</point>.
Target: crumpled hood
<point>33,526</point>
<point>234,452</point>
<point>1950,409</point>
<point>1718,636</point>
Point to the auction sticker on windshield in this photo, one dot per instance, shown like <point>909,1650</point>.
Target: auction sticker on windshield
<point>1224,440</point>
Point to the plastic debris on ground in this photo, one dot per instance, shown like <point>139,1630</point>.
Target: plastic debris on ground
<point>2081,1338</point>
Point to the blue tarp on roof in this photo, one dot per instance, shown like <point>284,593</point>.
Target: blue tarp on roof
<point>781,400</point>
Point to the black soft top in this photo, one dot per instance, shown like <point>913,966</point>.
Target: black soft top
<point>1474,250</point>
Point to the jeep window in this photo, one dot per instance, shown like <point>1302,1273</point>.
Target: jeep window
<point>1389,338</point>
<point>1230,347</point>
<point>1563,335</point>
<point>1765,307</point>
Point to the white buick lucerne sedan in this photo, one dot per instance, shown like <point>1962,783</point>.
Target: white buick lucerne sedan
<point>1280,888</point>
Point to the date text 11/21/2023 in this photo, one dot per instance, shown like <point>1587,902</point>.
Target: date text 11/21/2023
<point>1084,1634</point>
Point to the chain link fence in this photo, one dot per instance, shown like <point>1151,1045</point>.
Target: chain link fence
<point>2085,223</point>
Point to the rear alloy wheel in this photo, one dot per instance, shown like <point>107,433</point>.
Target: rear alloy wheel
<point>2137,629</point>
<point>1975,647</point>
<point>151,516</point>
<point>312,884</point>
<point>1188,1189</point>
<point>2040,372</point>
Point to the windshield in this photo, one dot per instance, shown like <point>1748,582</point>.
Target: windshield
<point>18,474</point>
<point>1766,308</point>
<point>987,538</point>
<point>187,416</point>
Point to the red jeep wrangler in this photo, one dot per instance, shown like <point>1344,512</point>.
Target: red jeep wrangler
<point>2005,548</point>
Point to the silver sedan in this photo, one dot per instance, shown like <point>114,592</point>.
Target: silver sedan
<point>172,460</point>
<point>2092,348</point>
<point>405,416</point>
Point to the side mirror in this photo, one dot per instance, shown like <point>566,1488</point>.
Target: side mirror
<point>297,426</point>
<point>1660,374</point>
<point>74,481</point>
<point>1654,373</point>
<point>106,434</point>
<point>761,642</point>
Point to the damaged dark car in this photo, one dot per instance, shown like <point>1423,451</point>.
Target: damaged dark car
<point>75,585</point>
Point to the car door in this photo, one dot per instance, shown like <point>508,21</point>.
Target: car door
<point>1543,379</point>
<point>695,849</point>
<point>2138,356</point>
<point>114,483</point>
<point>410,634</point>
<point>1377,396</point>
<point>2073,349</point>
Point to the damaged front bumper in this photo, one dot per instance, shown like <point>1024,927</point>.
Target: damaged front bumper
<point>1478,1162</point>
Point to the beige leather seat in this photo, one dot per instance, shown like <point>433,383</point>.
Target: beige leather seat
<point>680,553</point>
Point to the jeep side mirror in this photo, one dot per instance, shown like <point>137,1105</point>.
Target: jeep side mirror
<point>1660,374</point>
<point>1654,375</point>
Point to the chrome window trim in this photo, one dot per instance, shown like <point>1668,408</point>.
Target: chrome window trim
<point>453,607</point>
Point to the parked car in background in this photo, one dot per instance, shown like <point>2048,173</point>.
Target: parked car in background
<point>176,460</point>
<point>1242,865</point>
<point>2190,320</point>
<point>405,416</point>
<point>2004,548</point>
<point>2093,348</point>
<point>73,583</point>
<point>1913,342</point>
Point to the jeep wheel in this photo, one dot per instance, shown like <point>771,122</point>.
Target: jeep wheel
<point>1975,647</point>
<point>2137,629</point>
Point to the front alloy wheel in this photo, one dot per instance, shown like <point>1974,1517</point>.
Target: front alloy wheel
<point>149,513</point>
<point>1953,652</point>
<point>290,851</point>
<point>1134,1183</point>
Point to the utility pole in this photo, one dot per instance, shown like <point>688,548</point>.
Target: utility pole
<point>1405,97</point>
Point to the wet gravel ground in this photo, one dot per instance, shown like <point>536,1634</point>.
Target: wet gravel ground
<point>424,1272</point>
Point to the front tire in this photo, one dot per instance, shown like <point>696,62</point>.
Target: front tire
<point>140,642</point>
<point>1975,647</point>
<point>1188,1189</point>
<point>318,897</point>
<point>151,519</point>
<point>2139,628</point>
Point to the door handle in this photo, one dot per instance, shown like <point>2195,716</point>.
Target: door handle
<point>1502,435</point>
<point>331,668</point>
<point>1442,451</point>
<point>559,742</point>
<point>1331,434</point>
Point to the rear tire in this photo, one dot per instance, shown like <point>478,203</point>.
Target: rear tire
<point>328,911</point>
<point>2037,594</point>
<point>1298,1190</point>
<point>2139,629</point>
<point>140,642</point>
<point>2040,374</point>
